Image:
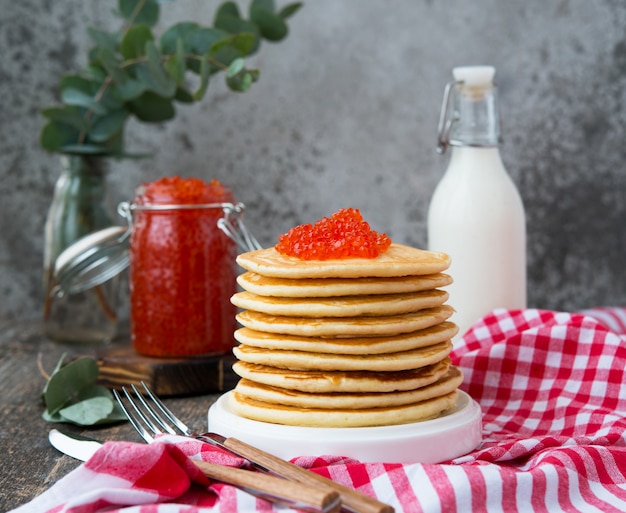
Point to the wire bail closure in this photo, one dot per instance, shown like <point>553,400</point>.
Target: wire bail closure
<point>231,223</point>
<point>233,226</point>
<point>445,119</point>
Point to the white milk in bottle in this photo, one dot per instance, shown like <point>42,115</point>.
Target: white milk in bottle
<point>476,214</point>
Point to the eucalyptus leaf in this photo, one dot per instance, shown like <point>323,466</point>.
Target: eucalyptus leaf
<point>175,65</point>
<point>95,72</point>
<point>166,86</point>
<point>65,384</point>
<point>235,67</point>
<point>289,10</point>
<point>242,81</point>
<point>80,99</point>
<point>111,63</point>
<point>89,411</point>
<point>52,417</point>
<point>238,26</point>
<point>72,395</point>
<point>183,96</point>
<point>124,85</point>
<point>59,365</point>
<point>96,410</point>
<point>55,136</point>
<point>271,26</point>
<point>204,73</point>
<point>199,43</point>
<point>93,53</point>
<point>152,83</point>
<point>94,390</point>
<point>102,38</point>
<point>103,127</point>
<point>69,115</point>
<point>111,100</point>
<point>227,50</point>
<point>139,11</point>
<point>152,108</point>
<point>79,83</point>
<point>129,89</point>
<point>201,40</point>
<point>227,9</point>
<point>267,5</point>
<point>133,44</point>
<point>178,32</point>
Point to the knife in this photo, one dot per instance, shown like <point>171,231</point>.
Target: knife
<point>78,447</point>
<point>273,489</point>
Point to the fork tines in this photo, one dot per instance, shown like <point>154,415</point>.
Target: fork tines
<point>142,416</point>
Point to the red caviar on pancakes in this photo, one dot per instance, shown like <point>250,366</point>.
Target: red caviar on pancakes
<point>345,234</point>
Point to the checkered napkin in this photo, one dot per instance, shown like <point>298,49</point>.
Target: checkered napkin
<point>552,388</point>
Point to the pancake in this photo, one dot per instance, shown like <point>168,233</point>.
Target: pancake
<point>338,418</point>
<point>300,360</point>
<point>342,381</point>
<point>345,306</point>
<point>334,287</point>
<point>345,326</point>
<point>398,260</point>
<point>360,345</point>
<point>350,401</point>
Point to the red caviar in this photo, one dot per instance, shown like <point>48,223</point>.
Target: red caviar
<point>343,235</point>
<point>182,271</point>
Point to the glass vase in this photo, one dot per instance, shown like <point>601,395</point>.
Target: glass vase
<point>79,207</point>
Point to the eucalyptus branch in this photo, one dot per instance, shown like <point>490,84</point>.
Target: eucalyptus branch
<point>89,114</point>
<point>133,74</point>
<point>40,366</point>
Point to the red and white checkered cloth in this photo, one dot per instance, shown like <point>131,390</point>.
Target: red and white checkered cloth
<point>552,388</point>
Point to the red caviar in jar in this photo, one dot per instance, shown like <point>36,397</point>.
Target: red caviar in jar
<point>343,235</point>
<point>182,270</point>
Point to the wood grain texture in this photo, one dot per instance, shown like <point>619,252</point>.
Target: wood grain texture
<point>352,500</point>
<point>30,465</point>
<point>298,495</point>
<point>121,366</point>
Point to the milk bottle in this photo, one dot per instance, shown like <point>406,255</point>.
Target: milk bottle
<point>476,214</point>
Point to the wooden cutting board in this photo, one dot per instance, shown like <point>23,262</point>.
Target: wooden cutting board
<point>120,366</point>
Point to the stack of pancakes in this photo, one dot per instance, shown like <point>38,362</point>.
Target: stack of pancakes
<point>344,343</point>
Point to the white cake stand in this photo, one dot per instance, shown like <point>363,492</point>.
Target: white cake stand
<point>457,432</point>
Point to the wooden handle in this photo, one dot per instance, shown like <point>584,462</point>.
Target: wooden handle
<point>275,489</point>
<point>350,498</point>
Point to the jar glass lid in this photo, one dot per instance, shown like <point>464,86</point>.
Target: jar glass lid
<point>92,260</point>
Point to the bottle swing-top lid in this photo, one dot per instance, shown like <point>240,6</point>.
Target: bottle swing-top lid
<point>468,114</point>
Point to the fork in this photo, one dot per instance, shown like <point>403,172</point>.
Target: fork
<point>161,418</point>
<point>271,488</point>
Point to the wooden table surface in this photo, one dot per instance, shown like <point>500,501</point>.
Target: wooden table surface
<point>29,464</point>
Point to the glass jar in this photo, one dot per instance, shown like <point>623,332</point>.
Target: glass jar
<point>182,269</point>
<point>79,207</point>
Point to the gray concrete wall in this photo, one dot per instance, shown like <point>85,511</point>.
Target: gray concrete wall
<point>345,114</point>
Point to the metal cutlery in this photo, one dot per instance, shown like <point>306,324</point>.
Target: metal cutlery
<point>264,486</point>
<point>149,416</point>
